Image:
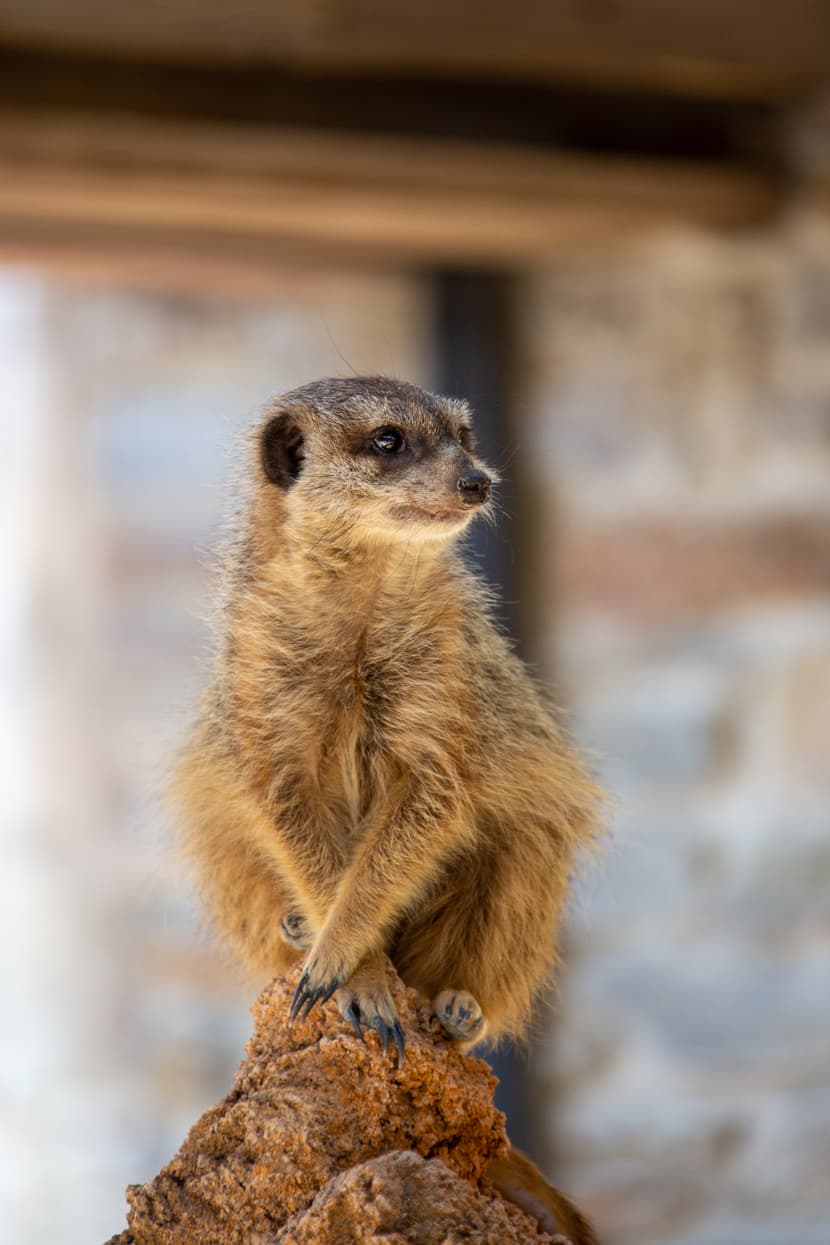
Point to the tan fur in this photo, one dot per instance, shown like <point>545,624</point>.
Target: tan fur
<point>371,754</point>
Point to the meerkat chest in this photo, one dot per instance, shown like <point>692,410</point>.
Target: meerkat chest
<point>354,704</point>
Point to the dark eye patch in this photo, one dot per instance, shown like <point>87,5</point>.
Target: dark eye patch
<point>465,438</point>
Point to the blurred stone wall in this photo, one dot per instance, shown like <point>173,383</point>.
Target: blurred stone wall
<point>678,441</point>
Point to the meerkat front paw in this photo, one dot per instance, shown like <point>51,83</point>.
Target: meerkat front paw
<point>365,999</point>
<point>296,931</point>
<point>368,1002</point>
<point>323,973</point>
<point>460,1015</point>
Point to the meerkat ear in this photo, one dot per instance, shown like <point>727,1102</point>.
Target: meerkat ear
<point>282,450</point>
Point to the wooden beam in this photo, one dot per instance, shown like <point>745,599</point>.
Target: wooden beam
<point>230,188</point>
<point>574,118</point>
<point>741,48</point>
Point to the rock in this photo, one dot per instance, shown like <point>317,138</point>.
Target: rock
<point>324,1139</point>
<point>402,1197</point>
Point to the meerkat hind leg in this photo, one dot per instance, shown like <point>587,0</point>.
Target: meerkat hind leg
<point>296,931</point>
<point>460,1015</point>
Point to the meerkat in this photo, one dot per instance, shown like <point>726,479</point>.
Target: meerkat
<point>373,771</point>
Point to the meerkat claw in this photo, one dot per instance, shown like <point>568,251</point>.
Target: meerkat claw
<point>400,1044</point>
<point>304,999</point>
<point>382,1029</point>
<point>385,1031</point>
<point>310,1000</point>
<point>297,997</point>
<point>352,1014</point>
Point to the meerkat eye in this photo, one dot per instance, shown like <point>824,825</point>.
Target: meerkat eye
<point>465,438</point>
<point>388,441</point>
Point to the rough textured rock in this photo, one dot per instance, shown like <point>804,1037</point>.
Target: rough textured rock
<point>401,1198</point>
<point>324,1139</point>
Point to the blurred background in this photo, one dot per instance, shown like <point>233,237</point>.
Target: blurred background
<point>607,223</point>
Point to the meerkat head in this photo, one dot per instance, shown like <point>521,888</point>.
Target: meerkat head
<point>382,458</point>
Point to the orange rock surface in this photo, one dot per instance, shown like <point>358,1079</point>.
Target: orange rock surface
<point>324,1139</point>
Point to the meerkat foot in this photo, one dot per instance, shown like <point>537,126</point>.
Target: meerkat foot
<point>460,1015</point>
<point>296,931</point>
<point>370,1004</point>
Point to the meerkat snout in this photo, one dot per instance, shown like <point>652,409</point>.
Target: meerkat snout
<point>474,488</point>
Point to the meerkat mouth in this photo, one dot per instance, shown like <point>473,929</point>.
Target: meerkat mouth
<point>421,514</point>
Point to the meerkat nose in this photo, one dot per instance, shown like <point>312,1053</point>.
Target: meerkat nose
<point>474,488</point>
